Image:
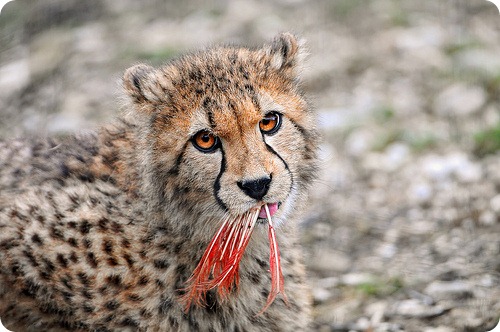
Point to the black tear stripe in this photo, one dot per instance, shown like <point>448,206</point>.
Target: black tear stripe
<point>270,149</point>
<point>217,180</point>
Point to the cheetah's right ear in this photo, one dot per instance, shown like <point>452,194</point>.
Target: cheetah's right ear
<point>286,52</point>
<point>143,86</point>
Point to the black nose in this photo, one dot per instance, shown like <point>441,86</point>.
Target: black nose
<point>255,188</point>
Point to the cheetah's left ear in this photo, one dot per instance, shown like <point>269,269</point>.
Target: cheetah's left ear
<point>286,53</point>
<point>142,84</point>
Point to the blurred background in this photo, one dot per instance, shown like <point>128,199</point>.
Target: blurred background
<point>403,229</point>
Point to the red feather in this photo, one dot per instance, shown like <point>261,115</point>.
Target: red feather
<point>277,280</point>
<point>219,265</point>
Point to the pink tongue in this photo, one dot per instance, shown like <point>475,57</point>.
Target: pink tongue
<point>273,207</point>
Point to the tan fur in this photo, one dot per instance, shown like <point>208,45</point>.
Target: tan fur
<point>100,232</point>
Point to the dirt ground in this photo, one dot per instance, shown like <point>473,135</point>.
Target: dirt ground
<point>403,229</point>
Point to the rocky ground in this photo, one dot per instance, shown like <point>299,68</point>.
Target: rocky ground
<point>403,232</point>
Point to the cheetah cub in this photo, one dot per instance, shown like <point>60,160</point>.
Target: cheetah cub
<point>182,216</point>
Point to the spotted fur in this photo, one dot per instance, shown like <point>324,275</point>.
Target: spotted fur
<point>101,231</point>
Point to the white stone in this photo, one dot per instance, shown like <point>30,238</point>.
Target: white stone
<point>446,290</point>
<point>321,295</point>
<point>488,281</point>
<point>422,227</point>
<point>331,260</point>
<point>335,118</point>
<point>359,142</point>
<point>483,60</point>
<point>63,123</point>
<point>328,282</point>
<point>415,308</point>
<point>435,167</point>
<point>14,76</point>
<point>374,161</point>
<point>495,204</point>
<point>355,279</point>
<point>469,172</point>
<point>387,250</point>
<point>395,155</point>
<point>421,36</point>
<point>419,193</point>
<point>439,329</point>
<point>460,99</point>
<point>363,324</point>
<point>457,163</point>
<point>376,311</point>
<point>487,218</point>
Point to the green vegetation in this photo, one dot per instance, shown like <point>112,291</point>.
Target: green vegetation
<point>160,55</point>
<point>386,139</point>
<point>384,114</point>
<point>380,287</point>
<point>457,47</point>
<point>420,142</point>
<point>399,17</point>
<point>156,57</point>
<point>492,85</point>
<point>487,141</point>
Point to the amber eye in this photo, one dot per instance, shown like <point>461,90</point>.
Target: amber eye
<point>271,123</point>
<point>205,141</point>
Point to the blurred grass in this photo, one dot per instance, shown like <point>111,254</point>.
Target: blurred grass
<point>457,47</point>
<point>492,86</point>
<point>384,114</point>
<point>487,141</point>
<point>420,143</point>
<point>380,287</point>
<point>400,18</point>
<point>387,138</point>
<point>155,57</point>
<point>160,55</point>
<point>417,141</point>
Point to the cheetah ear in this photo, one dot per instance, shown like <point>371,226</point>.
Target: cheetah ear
<point>141,82</point>
<point>286,53</point>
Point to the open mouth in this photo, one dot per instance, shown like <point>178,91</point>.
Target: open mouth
<point>273,208</point>
<point>219,265</point>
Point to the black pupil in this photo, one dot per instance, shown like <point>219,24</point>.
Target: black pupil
<point>266,121</point>
<point>205,138</point>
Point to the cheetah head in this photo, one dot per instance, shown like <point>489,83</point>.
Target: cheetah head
<point>225,129</point>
